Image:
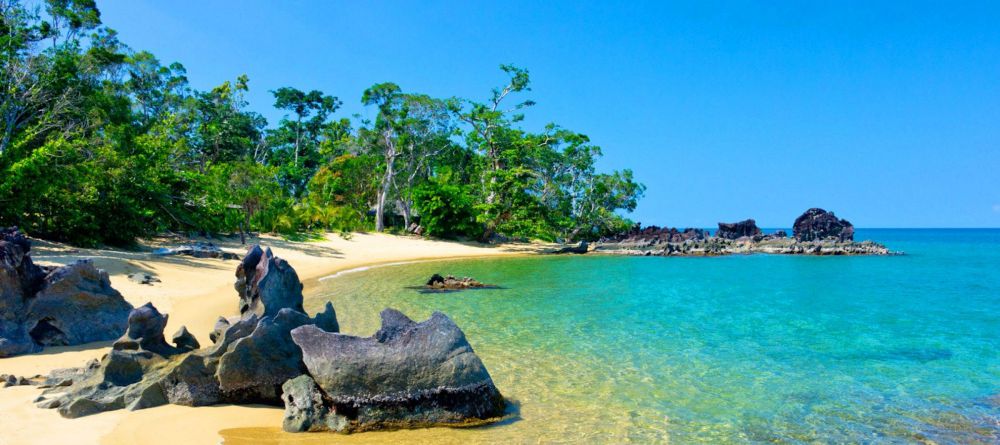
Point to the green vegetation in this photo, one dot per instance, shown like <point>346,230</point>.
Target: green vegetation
<point>102,144</point>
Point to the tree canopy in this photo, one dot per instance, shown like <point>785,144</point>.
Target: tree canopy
<point>101,144</point>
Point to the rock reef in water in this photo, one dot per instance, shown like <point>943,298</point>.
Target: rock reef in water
<point>407,375</point>
<point>817,224</point>
<point>53,306</point>
<point>451,283</point>
<point>816,232</point>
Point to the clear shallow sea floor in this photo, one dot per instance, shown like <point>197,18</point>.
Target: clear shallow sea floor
<point>740,349</point>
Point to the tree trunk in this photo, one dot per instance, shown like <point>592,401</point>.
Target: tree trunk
<point>383,194</point>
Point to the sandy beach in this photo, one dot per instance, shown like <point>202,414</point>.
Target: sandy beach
<point>194,292</point>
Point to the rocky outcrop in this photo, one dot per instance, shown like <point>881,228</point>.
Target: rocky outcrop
<point>579,249</point>
<point>267,284</point>
<point>638,235</point>
<point>818,224</point>
<point>197,250</point>
<point>252,356</point>
<point>451,283</point>
<point>746,228</point>
<point>46,306</point>
<point>406,375</point>
<point>816,232</point>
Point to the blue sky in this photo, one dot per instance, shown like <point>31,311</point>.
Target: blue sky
<point>888,114</point>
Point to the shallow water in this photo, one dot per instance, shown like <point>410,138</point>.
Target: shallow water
<point>740,349</point>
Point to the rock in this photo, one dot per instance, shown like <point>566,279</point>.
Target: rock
<point>407,375</point>
<point>254,367</point>
<point>435,280</point>
<point>143,278</point>
<point>745,228</point>
<point>45,306</point>
<point>250,359</point>
<point>220,326</point>
<point>197,250</point>
<point>327,320</point>
<point>267,284</point>
<point>145,332</point>
<point>581,248</point>
<point>184,341</point>
<point>818,224</point>
<point>450,283</point>
<point>305,410</point>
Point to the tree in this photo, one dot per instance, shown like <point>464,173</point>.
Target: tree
<point>295,143</point>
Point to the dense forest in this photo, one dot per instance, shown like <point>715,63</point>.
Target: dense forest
<point>102,144</point>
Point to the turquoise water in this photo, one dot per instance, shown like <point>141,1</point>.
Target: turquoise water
<point>740,349</point>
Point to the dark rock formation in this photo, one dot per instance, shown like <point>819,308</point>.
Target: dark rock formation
<point>184,340</point>
<point>578,249</point>
<point>745,228</point>
<point>657,235</point>
<point>818,224</point>
<point>267,284</point>
<point>407,375</point>
<point>250,360</point>
<point>143,278</point>
<point>44,306</point>
<point>197,250</point>
<point>437,283</point>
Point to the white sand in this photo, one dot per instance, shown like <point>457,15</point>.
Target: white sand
<point>194,293</point>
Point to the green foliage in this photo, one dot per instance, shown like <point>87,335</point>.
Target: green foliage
<point>446,208</point>
<point>103,144</point>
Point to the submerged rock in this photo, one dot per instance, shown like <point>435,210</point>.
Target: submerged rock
<point>745,228</point>
<point>46,306</point>
<point>818,224</point>
<point>407,375</point>
<point>451,283</point>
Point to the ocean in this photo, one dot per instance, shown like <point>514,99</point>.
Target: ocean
<point>737,349</point>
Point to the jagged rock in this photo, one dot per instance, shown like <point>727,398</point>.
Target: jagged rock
<point>145,332</point>
<point>251,358</point>
<point>254,367</point>
<point>407,375</point>
<point>305,410</point>
<point>220,326</point>
<point>437,283</point>
<point>184,340</point>
<point>197,250</point>
<point>46,306</point>
<point>267,284</point>
<point>142,278</point>
<point>435,280</point>
<point>818,224</point>
<point>327,320</point>
<point>745,228</point>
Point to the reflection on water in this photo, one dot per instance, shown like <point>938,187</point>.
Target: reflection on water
<point>748,349</point>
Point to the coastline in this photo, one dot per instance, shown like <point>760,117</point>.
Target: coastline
<point>195,292</point>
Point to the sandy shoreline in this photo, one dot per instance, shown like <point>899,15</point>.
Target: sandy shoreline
<point>194,292</point>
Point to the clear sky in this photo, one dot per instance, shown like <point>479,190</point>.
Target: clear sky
<point>888,114</point>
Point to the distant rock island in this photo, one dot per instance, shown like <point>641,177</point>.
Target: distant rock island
<point>815,232</point>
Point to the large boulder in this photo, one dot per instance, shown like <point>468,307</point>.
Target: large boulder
<point>736,230</point>
<point>252,356</point>
<point>817,224</point>
<point>267,284</point>
<point>46,306</point>
<point>407,375</point>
